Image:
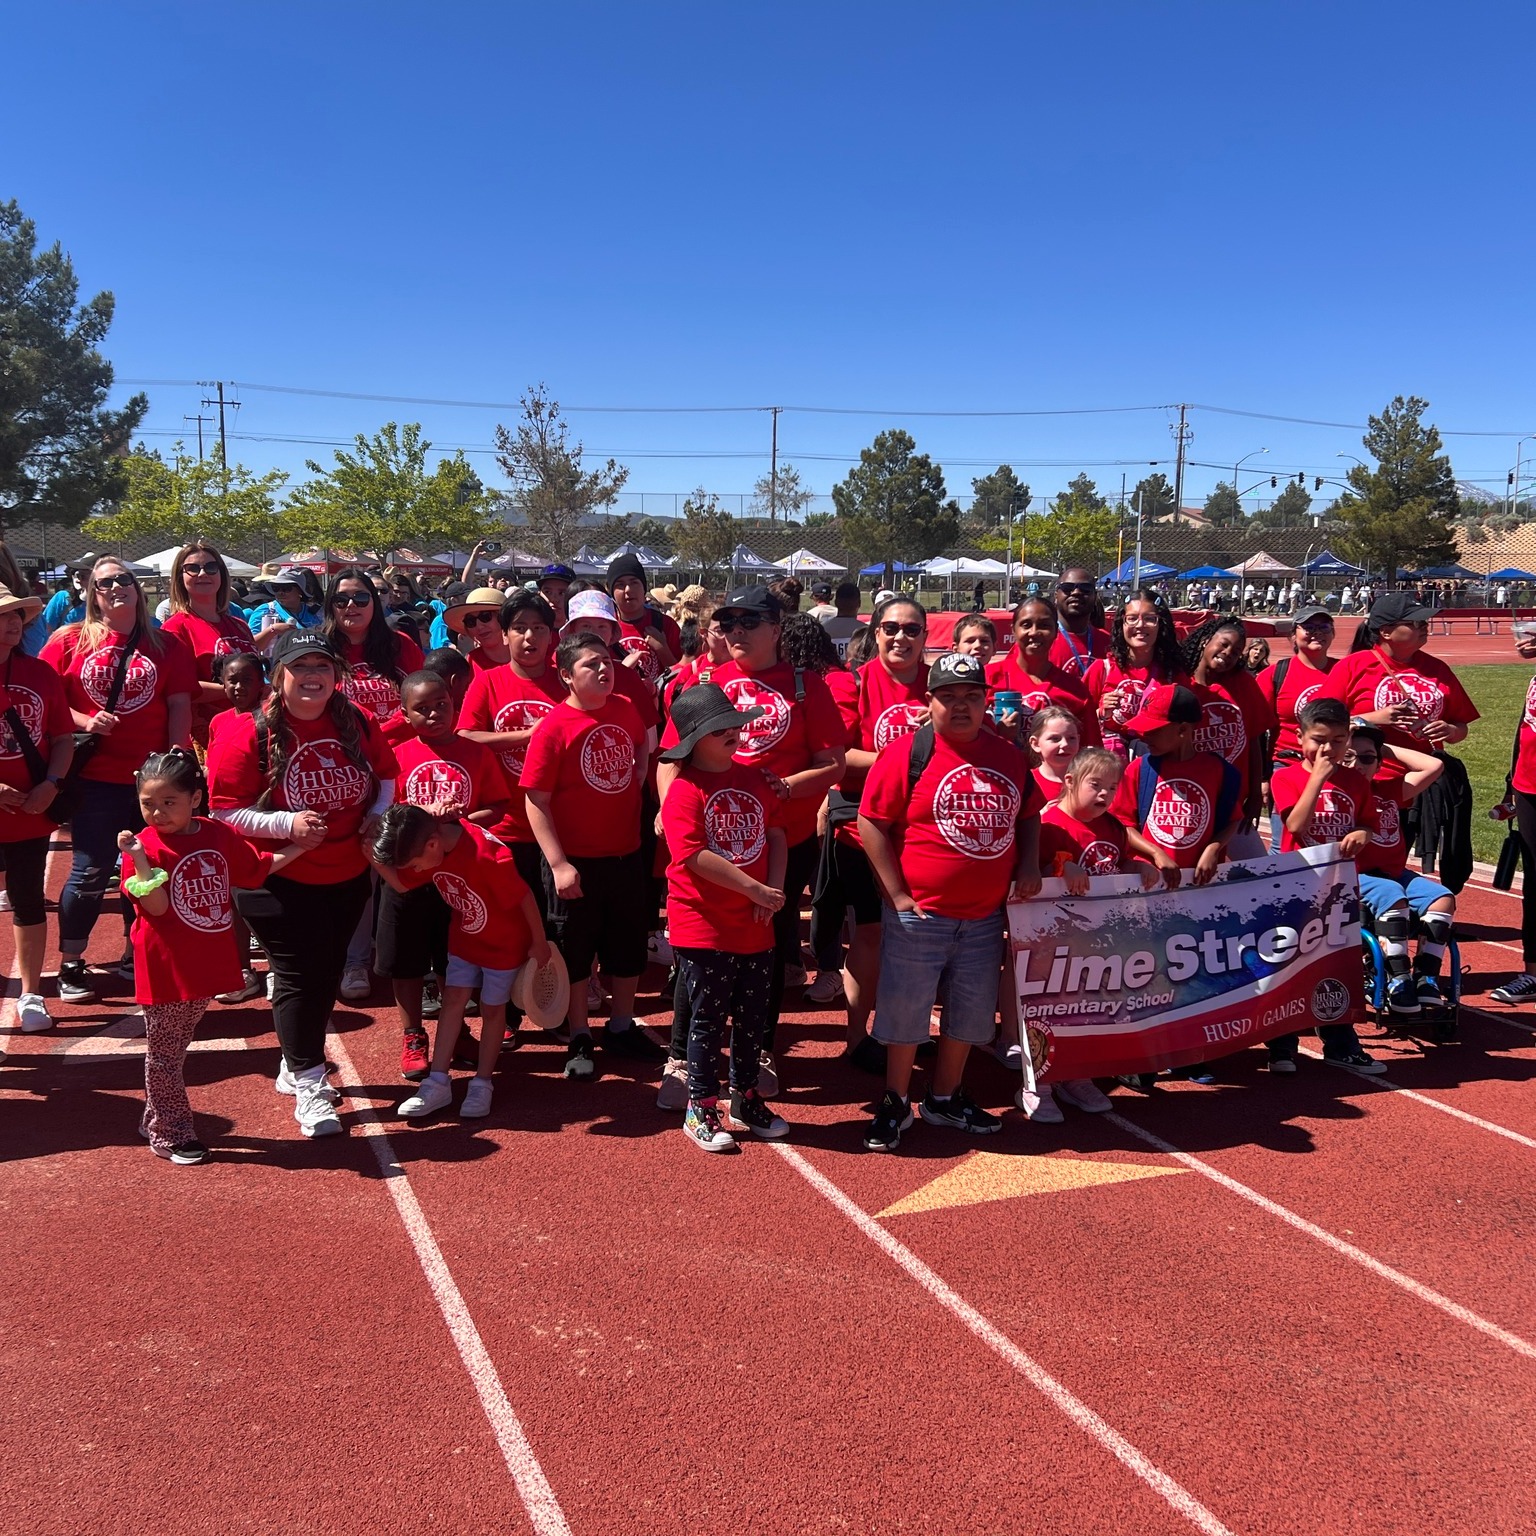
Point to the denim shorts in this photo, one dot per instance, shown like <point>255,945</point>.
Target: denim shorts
<point>927,959</point>
<point>495,986</point>
<point>1379,892</point>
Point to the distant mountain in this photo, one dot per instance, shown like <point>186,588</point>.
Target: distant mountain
<point>1480,493</point>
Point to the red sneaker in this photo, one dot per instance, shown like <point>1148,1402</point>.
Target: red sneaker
<point>414,1063</point>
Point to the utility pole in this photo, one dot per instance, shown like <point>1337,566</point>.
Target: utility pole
<point>773,468</point>
<point>1183,433</point>
<point>199,419</point>
<point>221,402</point>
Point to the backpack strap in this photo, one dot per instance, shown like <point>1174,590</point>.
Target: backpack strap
<point>263,746</point>
<point>1281,668</point>
<point>923,742</point>
<point>799,685</point>
<point>1146,790</point>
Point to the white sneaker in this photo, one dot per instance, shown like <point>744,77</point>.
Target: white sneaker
<point>32,1013</point>
<point>794,975</point>
<point>356,984</point>
<point>1040,1106</point>
<point>287,1083</point>
<point>434,1092</point>
<point>314,1104</point>
<point>658,949</point>
<point>674,1086</point>
<point>827,988</point>
<point>5,899</point>
<point>477,1099</point>
<point>1081,1093</point>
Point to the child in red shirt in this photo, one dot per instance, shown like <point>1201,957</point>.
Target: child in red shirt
<point>1054,738</point>
<point>724,830</point>
<point>1079,837</point>
<point>179,873</point>
<point>494,928</point>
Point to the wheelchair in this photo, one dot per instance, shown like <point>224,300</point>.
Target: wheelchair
<point>1439,1026</point>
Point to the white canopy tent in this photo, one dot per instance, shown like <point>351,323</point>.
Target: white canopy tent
<point>1022,572</point>
<point>806,560</point>
<point>963,567</point>
<point>163,560</point>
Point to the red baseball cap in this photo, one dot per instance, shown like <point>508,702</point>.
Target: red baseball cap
<point>1167,704</point>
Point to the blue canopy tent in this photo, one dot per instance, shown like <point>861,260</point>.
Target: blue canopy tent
<point>1201,573</point>
<point>898,568</point>
<point>1441,573</point>
<point>1329,564</point>
<point>1512,573</point>
<point>1149,570</point>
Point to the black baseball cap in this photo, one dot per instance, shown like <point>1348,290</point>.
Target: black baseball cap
<point>303,642</point>
<point>557,572</point>
<point>699,711</point>
<point>1398,608</point>
<point>749,600</point>
<point>954,670</point>
<point>1310,612</point>
<point>822,589</point>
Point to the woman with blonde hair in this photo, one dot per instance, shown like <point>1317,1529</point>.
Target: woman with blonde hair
<point>130,686</point>
<point>201,620</point>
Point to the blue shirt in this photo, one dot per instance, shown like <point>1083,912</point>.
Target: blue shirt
<point>274,613</point>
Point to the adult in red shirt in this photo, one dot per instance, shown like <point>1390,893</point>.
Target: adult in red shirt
<point>478,619</point>
<point>152,710</point>
<point>1390,681</point>
<point>201,620</point>
<point>1520,804</point>
<point>1079,641</point>
<point>1235,718</point>
<point>643,632</point>
<point>796,738</point>
<point>1027,669</point>
<point>947,850</point>
<point>310,767</point>
<point>1143,652</point>
<point>29,781</point>
<point>1296,680</point>
<point>888,700</point>
<point>377,657</point>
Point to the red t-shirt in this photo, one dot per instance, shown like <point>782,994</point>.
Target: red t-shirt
<point>1300,686</point>
<point>189,951</point>
<point>787,735</point>
<point>1075,655</point>
<point>1104,677</point>
<point>1236,714</point>
<point>1050,789</point>
<point>373,691</point>
<point>587,763</point>
<point>32,688</point>
<point>1098,845</point>
<point>142,717</point>
<point>500,700</point>
<point>632,683</point>
<point>482,661</point>
<point>1525,757</point>
<point>1343,803</point>
<point>1387,851</point>
<point>729,814</point>
<point>484,894</point>
<point>207,641</point>
<point>1053,686</point>
<point>634,637</point>
<point>1364,682</point>
<point>955,833</point>
<point>222,721</point>
<point>1182,820</point>
<point>461,774</point>
<point>876,712</point>
<point>319,776</point>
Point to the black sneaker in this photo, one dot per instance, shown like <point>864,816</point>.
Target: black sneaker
<point>1520,989</point>
<point>892,1118</point>
<point>580,1062</point>
<point>632,1043</point>
<point>869,1056</point>
<point>188,1153</point>
<point>431,997</point>
<point>1142,1082</point>
<point>1428,988</point>
<point>960,1112</point>
<point>751,1109</point>
<point>74,985</point>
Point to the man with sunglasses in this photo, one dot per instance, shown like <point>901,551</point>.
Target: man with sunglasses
<point>1079,641</point>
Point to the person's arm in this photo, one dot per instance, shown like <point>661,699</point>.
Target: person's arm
<point>813,782</point>
<point>1442,733</point>
<point>1159,858</point>
<point>472,562</point>
<point>1026,868</point>
<point>1421,769</point>
<point>1211,854</point>
<point>488,814</point>
<point>155,902</point>
<point>178,719</point>
<point>501,741</point>
<point>210,693</point>
<point>285,856</point>
<point>881,852</point>
<point>542,824</point>
<point>61,752</point>
<point>1299,817</point>
<point>706,865</point>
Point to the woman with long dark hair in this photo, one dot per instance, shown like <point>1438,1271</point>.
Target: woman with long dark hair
<point>377,657</point>
<point>201,620</point>
<point>1143,652</point>
<point>130,685</point>
<point>312,768</point>
<point>1027,669</point>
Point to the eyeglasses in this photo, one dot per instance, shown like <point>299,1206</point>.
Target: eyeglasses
<point>1074,586</point>
<point>473,620</point>
<point>352,599</point>
<point>746,622</point>
<point>199,570</point>
<point>1366,757</point>
<point>115,581</point>
<point>890,629</point>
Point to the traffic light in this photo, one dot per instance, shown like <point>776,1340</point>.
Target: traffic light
<point>1317,482</point>
<point>1301,478</point>
<point>1274,482</point>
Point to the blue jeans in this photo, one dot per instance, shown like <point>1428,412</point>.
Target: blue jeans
<point>105,810</point>
<point>923,959</point>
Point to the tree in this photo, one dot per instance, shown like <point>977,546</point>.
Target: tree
<point>1154,496</point>
<point>786,497</point>
<point>1081,495</point>
<point>1289,509</point>
<point>1000,499</point>
<point>655,531</point>
<point>382,498</point>
<point>551,489</point>
<point>61,449</point>
<point>892,506</point>
<point>705,534</point>
<point>173,501</point>
<point>1408,504</point>
<point>1081,528</point>
<point>1222,505</point>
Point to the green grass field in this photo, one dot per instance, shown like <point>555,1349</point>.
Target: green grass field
<point>1499,692</point>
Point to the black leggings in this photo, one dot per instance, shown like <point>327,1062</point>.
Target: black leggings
<point>1525,822</point>
<point>25,864</point>
<point>305,930</point>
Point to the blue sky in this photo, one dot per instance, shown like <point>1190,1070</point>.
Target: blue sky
<point>1301,209</point>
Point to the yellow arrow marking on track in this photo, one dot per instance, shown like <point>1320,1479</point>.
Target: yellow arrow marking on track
<point>987,1176</point>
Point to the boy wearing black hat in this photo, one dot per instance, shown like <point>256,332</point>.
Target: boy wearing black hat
<point>724,832</point>
<point>641,628</point>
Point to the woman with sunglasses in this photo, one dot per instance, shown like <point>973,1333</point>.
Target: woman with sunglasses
<point>201,620</point>
<point>477,617</point>
<point>377,657</point>
<point>1143,652</point>
<point>1235,719</point>
<point>151,709</point>
<point>1027,669</point>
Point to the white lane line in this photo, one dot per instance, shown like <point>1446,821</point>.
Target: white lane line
<point>532,1486</point>
<point>1174,1493</point>
<point>1498,1018</point>
<point>1345,1250</point>
<point>1419,1098</point>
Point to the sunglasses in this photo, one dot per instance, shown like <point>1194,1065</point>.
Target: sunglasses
<point>473,620</point>
<point>746,622</point>
<point>1365,757</point>
<point>1074,586</point>
<point>109,582</point>
<point>199,570</point>
<point>352,600</point>
<point>890,629</point>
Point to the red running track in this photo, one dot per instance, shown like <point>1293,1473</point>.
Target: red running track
<point>565,1319</point>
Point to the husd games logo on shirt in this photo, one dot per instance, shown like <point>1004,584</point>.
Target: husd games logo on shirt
<point>1333,817</point>
<point>650,667</point>
<point>30,709</point>
<point>1222,731</point>
<point>976,809</point>
<point>607,759</point>
<point>372,691</point>
<point>438,783</point>
<point>100,667</point>
<point>1388,823</point>
<point>735,826</point>
<point>1180,813</point>
<point>767,731</point>
<point>898,721</point>
<point>1420,691</point>
<point>467,905</point>
<point>321,777</point>
<point>200,891</point>
<point>519,715</point>
<point>1100,858</point>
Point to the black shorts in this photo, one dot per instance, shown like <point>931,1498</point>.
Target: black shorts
<point>529,859</point>
<point>861,890</point>
<point>25,863</point>
<point>607,923</point>
<point>412,934</point>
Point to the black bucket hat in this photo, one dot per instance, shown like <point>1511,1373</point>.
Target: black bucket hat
<point>700,711</point>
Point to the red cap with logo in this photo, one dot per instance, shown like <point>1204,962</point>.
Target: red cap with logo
<point>1167,704</point>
